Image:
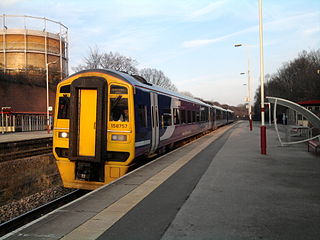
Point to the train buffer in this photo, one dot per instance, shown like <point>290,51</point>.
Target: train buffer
<point>217,187</point>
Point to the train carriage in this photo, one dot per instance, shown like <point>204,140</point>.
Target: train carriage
<point>106,119</point>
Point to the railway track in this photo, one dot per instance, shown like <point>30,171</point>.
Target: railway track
<point>25,148</point>
<point>27,217</point>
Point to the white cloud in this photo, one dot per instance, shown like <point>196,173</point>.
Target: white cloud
<point>197,43</point>
<point>203,42</point>
<point>221,88</point>
<point>211,9</point>
<point>7,3</point>
<point>276,25</point>
<point>312,30</point>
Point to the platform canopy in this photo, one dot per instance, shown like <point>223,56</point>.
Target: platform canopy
<point>310,116</point>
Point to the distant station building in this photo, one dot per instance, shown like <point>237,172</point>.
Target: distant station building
<point>298,119</point>
<point>32,50</point>
<point>313,106</point>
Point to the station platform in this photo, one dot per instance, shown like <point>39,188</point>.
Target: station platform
<point>22,136</point>
<point>217,187</point>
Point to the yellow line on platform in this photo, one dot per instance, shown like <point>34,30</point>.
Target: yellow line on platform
<point>98,224</point>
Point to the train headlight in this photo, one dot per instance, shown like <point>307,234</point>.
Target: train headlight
<point>63,135</point>
<point>118,137</point>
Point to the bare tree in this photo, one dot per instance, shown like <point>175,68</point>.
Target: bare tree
<point>157,77</point>
<point>296,80</point>
<point>92,61</point>
<point>186,93</point>
<point>115,61</point>
<point>119,63</point>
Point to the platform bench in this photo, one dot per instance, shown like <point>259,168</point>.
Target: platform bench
<point>314,144</point>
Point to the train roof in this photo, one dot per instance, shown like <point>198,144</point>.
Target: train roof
<point>136,82</point>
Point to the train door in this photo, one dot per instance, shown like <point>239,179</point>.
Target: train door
<point>87,122</point>
<point>87,146</point>
<point>143,126</point>
<point>213,117</point>
<point>154,122</point>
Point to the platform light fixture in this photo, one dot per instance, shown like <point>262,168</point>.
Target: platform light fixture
<point>249,83</point>
<point>263,134</point>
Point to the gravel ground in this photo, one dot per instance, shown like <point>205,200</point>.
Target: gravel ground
<point>26,204</point>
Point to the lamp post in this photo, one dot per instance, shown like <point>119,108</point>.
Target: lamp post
<point>263,135</point>
<point>47,83</point>
<point>249,84</point>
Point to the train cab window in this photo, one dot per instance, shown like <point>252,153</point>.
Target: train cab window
<point>64,107</point>
<point>119,109</point>
<point>65,89</point>
<point>176,117</point>
<point>115,89</point>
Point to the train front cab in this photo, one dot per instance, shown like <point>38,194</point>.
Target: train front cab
<point>93,130</point>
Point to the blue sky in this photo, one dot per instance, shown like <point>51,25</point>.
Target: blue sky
<point>191,41</point>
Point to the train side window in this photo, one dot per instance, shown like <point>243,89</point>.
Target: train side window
<point>64,107</point>
<point>183,116</point>
<point>189,116</point>
<point>198,116</point>
<point>206,114</point>
<point>115,89</point>
<point>166,117</point>
<point>193,116</point>
<point>119,109</point>
<point>201,115</point>
<point>176,117</point>
<point>142,113</point>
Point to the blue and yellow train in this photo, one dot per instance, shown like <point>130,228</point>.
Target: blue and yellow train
<point>105,120</point>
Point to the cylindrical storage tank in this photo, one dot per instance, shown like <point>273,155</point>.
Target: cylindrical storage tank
<point>33,45</point>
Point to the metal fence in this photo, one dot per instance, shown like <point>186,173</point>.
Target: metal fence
<point>22,122</point>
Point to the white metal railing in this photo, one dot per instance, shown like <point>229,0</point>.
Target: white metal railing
<point>21,122</point>
<point>7,123</point>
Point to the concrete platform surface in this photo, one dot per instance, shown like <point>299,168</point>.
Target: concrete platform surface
<point>21,136</point>
<point>218,187</point>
